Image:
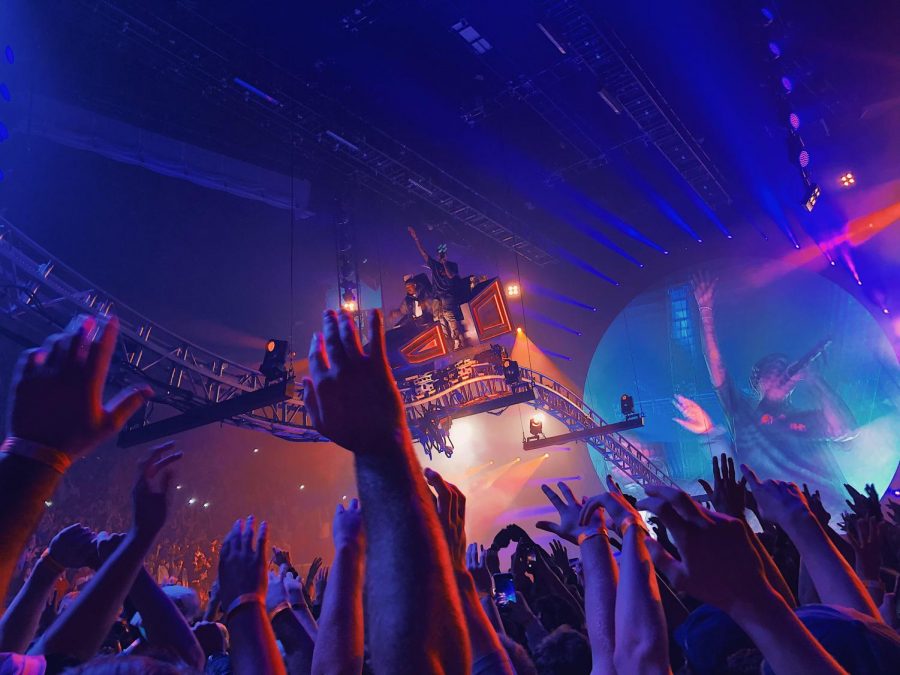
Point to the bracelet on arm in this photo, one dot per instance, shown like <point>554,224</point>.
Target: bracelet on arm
<point>43,454</point>
<point>240,601</point>
<point>279,608</point>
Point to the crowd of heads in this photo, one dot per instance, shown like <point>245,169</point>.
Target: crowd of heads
<point>755,577</point>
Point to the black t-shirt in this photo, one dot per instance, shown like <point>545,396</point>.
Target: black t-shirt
<point>444,285</point>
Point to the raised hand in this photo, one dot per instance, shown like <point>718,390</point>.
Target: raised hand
<point>320,583</point>
<point>477,567</point>
<point>894,510</point>
<point>276,593</point>
<point>619,508</point>
<point>451,507</point>
<point>151,490</point>
<point>864,505</point>
<point>351,397</point>
<point>693,417</point>
<point>347,526</point>
<point>57,390</point>
<point>281,556</point>
<point>706,540</point>
<point>570,526</point>
<point>559,555</point>
<point>73,547</point>
<point>311,574</point>
<point>492,560</point>
<point>814,500</point>
<point>727,495</point>
<point>704,287</point>
<point>778,501</point>
<point>105,543</point>
<point>242,564</point>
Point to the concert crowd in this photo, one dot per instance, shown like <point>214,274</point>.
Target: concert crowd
<point>694,589</point>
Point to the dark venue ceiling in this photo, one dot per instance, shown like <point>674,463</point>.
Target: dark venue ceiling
<point>521,128</point>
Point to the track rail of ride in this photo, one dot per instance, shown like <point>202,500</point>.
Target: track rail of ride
<point>39,294</point>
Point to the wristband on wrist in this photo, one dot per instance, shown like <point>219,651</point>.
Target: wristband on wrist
<point>277,609</point>
<point>705,307</point>
<point>43,454</point>
<point>583,537</point>
<point>241,600</point>
<point>53,562</point>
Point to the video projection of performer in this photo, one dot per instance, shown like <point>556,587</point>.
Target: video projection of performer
<point>791,376</point>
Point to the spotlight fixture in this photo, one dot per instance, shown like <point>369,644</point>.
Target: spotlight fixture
<point>627,405</point>
<point>794,121</point>
<point>848,179</point>
<point>767,16</point>
<point>536,426</point>
<point>774,51</point>
<point>787,85</point>
<point>513,291</point>
<point>510,371</point>
<point>895,492</point>
<point>273,364</point>
<point>812,196</point>
<point>192,501</point>
<point>519,330</point>
<point>205,505</point>
<point>302,486</point>
<point>348,302</point>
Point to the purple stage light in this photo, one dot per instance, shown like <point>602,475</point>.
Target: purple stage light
<point>787,85</point>
<point>803,158</point>
<point>767,16</point>
<point>774,50</point>
<point>794,121</point>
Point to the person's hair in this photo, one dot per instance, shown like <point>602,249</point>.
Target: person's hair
<point>564,652</point>
<point>129,665</point>
<point>765,363</point>
<point>521,662</point>
<point>555,612</point>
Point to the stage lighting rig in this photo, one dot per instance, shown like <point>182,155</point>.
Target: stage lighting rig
<point>848,180</point>
<point>812,196</point>
<point>274,363</point>
<point>513,291</point>
<point>536,426</point>
<point>627,405</point>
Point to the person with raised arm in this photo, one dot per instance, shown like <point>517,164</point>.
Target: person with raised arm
<point>72,548</point>
<point>340,642</point>
<point>445,283</point>
<point>770,433</point>
<point>719,565</point>
<point>642,642</point>
<point>56,416</point>
<point>79,632</point>
<point>833,577</point>
<point>353,400</point>
<point>488,655</point>
<point>600,572</point>
<point>242,589</point>
<point>296,642</point>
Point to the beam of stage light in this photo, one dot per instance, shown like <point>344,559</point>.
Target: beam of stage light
<point>472,470</point>
<point>530,354</point>
<point>557,355</point>
<point>593,209</point>
<point>669,212</point>
<point>603,240</point>
<point>543,318</point>
<point>770,205</point>
<point>513,481</point>
<point>526,513</point>
<point>584,265</point>
<point>848,261</point>
<point>545,292</point>
<point>487,478</point>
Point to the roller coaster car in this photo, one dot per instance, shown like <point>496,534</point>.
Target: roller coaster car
<point>412,347</point>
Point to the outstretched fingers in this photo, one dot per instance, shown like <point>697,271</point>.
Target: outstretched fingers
<point>553,497</point>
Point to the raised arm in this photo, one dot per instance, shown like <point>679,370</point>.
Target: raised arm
<point>421,249</point>
<point>642,644</point>
<point>295,641</point>
<point>339,645</point>
<point>352,399</point>
<point>720,566</point>
<point>72,547</point>
<point>704,294</point>
<point>80,631</point>
<point>488,655</point>
<point>600,572</point>
<point>834,579</point>
<point>242,587</point>
<point>56,416</point>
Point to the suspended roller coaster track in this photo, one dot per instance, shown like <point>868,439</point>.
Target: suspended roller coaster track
<point>39,295</point>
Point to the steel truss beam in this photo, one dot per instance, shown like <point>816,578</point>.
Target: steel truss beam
<point>618,72</point>
<point>351,145</point>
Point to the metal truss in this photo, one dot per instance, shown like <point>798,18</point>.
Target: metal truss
<point>349,144</point>
<point>40,295</point>
<point>621,76</point>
